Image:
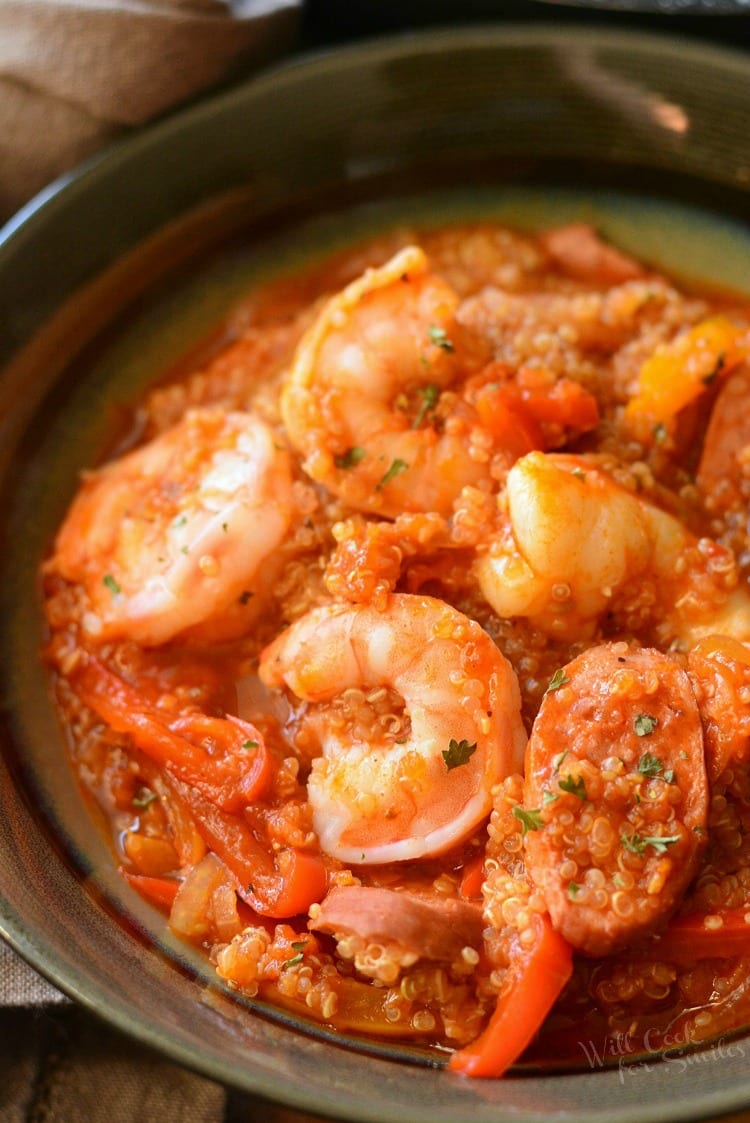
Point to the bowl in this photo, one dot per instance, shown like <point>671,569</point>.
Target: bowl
<point>106,278</point>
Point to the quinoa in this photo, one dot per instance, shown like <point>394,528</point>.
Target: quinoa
<point>615,828</point>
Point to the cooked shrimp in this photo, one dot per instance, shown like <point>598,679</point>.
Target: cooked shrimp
<point>725,459</point>
<point>391,331</point>
<point>575,538</point>
<point>385,800</point>
<point>176,534</point>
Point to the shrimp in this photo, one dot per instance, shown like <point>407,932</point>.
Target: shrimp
<point>377,799</point>
<point>177,535</point>
<point>575,538</point>
<point>391,330</point>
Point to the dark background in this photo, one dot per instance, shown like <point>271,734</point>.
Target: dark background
<point>338,21</point>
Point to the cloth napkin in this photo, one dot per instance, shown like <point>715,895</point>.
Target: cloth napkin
<point>76,74</point>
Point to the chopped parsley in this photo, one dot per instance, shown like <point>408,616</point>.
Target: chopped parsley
<point>644,725</point>
<point>225,527</point>
<point>430,395</point>
<point>143,798</point>
<point>250,745</point>
<point>293,961</point>
<point>350,458</point>
<point>557,760</point>
<point>659,433</point>
<point>111,584</point>
<point>299,945</point>
<point>397,467</point>
<point>530,820</point>
<point>573,890</point>
<point>558,679</point>
<point>637,843</point>
<point>574,785</point>
<point>181,520</point>
<point>439,337</point>
<point>579,475</point>
<point>245,597</point>
<point>549,797</point>
<point>669,776</point>
<point>458,753</point>
<point>649,765</point>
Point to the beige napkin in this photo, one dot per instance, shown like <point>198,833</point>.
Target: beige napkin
<point>20,985</point>
<point>75,74</point>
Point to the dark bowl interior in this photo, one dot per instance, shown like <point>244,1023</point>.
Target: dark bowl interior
<point>113,273</point>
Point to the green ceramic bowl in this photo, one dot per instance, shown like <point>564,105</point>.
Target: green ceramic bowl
<point>115,271</point>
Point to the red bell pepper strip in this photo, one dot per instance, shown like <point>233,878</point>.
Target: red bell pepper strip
<point>234,773</point>
<point>286,887</point>
<point>472,878</point>
<point>686,939</point>
<point>538,976</point>
<point>162,891</point>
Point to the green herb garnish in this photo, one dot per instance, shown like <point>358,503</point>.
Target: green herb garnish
<point>111,584</point>
<point>350,458</point>
<point>397,467</point>
<point>439,337</point>
<point>250,745</point>
<point>530,820</point>
<point>649,765</point>
<point>430,395</point>
<point>644,725</point>
<point>144,798</point>
<point>574,785</point>
<point>637,843</point>
<point>558,679</point>
<point>458,753</point>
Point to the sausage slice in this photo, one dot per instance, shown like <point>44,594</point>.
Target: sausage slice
<point>578,250</point>
<point>616,795</point>
<point>425,927</point>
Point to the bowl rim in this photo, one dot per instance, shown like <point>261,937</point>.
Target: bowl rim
<point>399,43</point>
<point>44,207</point>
